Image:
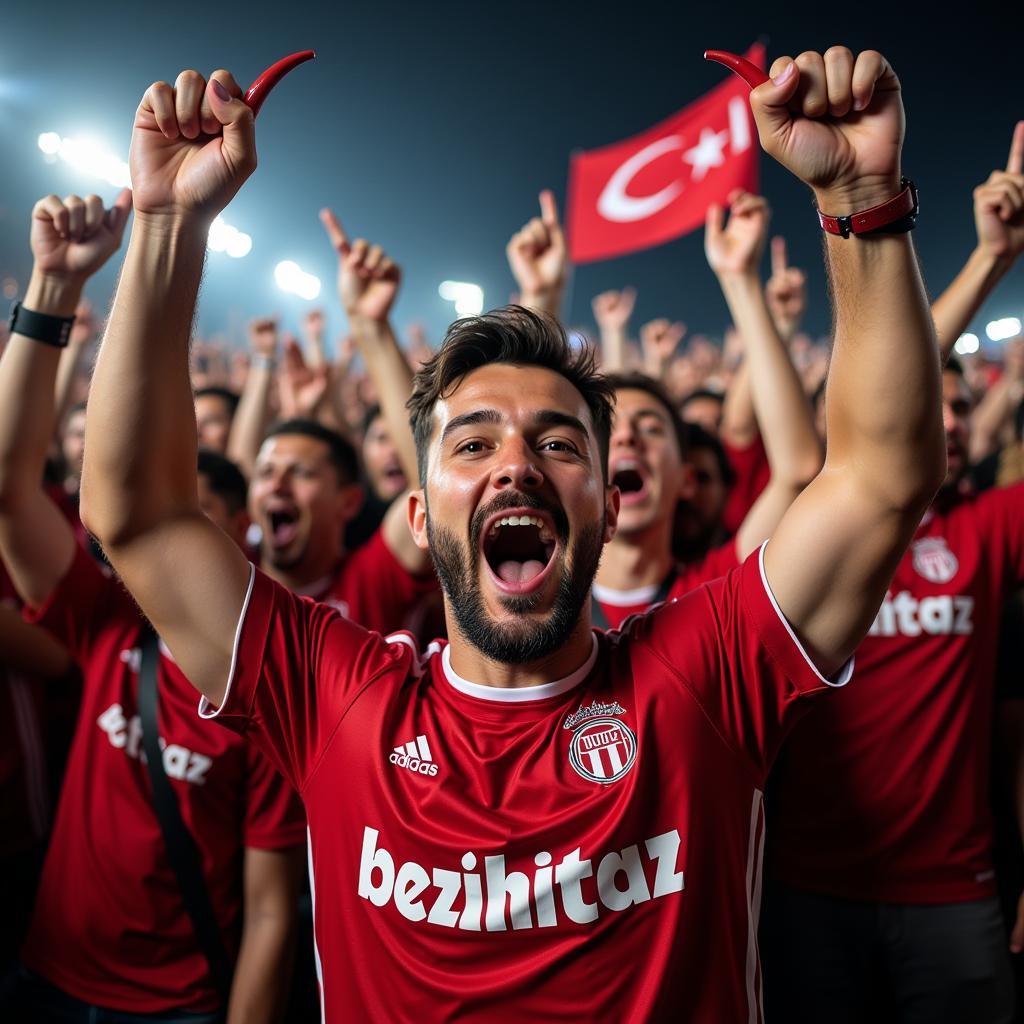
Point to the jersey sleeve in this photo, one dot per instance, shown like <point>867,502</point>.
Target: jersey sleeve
<point>82,603</point>
<point>750,464</point>
<point>387,590</point>
<point>274,816</point>
<point>1001,527</point>
<point>296,668</point>
<point>729,644</point>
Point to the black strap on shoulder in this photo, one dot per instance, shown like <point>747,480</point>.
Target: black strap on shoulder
<point>182,851</point>
<point>600,620</point>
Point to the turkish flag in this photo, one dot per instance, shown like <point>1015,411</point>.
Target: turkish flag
<point>658,185</point>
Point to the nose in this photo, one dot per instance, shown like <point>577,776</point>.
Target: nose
<point>517,468</point>
<point>623,434</point>
<point>948,418</point>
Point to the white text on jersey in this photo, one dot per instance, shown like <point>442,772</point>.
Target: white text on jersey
<point>126,733</point>
<point>905,615</point>
<point>456,899</point>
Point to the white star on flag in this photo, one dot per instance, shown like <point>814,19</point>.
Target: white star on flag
<point>707,153</point>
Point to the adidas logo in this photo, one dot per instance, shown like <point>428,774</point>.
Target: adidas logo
<point>414,756</point>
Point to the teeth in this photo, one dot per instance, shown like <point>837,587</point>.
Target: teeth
<point>523,521</point>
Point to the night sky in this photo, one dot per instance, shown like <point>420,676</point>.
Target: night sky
<point>430,127</point>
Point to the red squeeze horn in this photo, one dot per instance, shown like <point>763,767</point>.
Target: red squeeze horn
<point>750,73</point>
<point>260,89</point>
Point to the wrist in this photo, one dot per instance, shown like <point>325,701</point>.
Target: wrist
<point>989,261</point>
<point>174,225</point>
<point>855,196</point>
<point>53,294</point>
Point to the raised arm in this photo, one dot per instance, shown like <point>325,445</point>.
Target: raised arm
<point>612,311</point>
<point>834,553</point>
<point>71,240</point>
<point>780,407</point>
<point>999,222</point>
<point>659,340</point>
<point>368,282</point>
<point>252,417</point>
<point>193,146</point>
<point>539,259</point>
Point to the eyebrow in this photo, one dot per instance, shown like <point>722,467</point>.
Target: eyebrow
<point>543,418</point>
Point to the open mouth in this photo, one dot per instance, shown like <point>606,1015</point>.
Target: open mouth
<point>284,527</point>
<point>518,547</point>
<point>629,479</point>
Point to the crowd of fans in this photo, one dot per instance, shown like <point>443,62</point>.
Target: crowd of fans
<point>879,805</point>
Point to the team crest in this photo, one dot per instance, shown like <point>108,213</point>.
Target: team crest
<point>602,750</point>
<point>934,561</point>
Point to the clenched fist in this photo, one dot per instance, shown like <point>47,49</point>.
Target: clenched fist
<point>193,146</point>
<point>74,237</point>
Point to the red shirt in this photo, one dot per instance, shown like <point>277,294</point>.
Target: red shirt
<point>884,794</point>
<point>109,926</point>
<point>752,471</point>
<point>372,587</point>
<point>618,605</point>
<point>588,848</point>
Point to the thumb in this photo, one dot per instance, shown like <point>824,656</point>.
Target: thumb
<point>236,119</point>
<point>118,214</point>
<point>769,102</point>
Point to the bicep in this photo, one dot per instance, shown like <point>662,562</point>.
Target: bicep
<point>829,563</point>
<point>38,546</point>
<point>191,582</point>
<point>271,882</point>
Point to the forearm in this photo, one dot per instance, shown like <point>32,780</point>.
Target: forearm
<point>993,415</point>
<point>140,463</point>
<point>884,420</point>
<point>67,374</point>
<point>252,416</point>
<point>957,306</point>
<point>739,421</point>
<point>392,376</point>
<point>548,300</point>
<point>613,349</point>
<point>776,392</point>
<point>263,971</point>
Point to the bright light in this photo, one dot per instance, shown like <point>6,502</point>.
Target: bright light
<point>49,143</point>
<point>1000,330</point>
<point>290,277</point>
<point>468,298</point>
<point>225,237</point>
<point>967,344</point>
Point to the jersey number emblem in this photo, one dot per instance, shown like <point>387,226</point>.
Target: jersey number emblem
<point>603,750</point>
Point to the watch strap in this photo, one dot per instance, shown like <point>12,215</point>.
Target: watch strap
<point>50,330</point>
<point>894,215</point>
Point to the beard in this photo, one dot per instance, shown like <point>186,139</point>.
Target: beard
<point>523,641</point>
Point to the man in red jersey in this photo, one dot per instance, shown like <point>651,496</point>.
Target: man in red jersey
<point>109,931</point>
<point>882,840</point>
<point>648,442</point>
<point>535,821</point>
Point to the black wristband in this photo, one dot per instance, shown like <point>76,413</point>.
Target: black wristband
<point>50,330</point>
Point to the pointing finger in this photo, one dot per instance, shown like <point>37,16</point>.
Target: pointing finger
<point>779,261</point>
<point>1015,165</point>
<point>335,232</point>
<point>549,209</point>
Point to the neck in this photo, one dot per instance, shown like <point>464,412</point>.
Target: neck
<point>472,664</point>
<point>638,559</point>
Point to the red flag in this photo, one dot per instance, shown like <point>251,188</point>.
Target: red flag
<point>658,185</point>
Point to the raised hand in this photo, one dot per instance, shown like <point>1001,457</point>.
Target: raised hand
<point>193,146</point>
<point>659,340</point>
<point>72,238</point>
<point>538,257</point>
<point>786,291</point>
<point>999,205</point>
<point>302,389</point>
<point>613,309</point>
<point>368,279</point>
<point>263,336</point>
<point>837,123</point>
<point>737,247</point>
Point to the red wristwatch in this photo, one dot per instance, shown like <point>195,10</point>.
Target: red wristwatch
<point>896,215</point>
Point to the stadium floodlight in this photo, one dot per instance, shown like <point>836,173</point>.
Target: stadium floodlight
<point>967,344</point>
<point>468,298</point>
<point>1001,330</point>
<point>224,237</point>
<point>49,143</point>
<point>290,277</point>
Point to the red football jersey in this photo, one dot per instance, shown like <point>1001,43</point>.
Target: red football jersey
<point>588,848</point>
<point>372,588</point>
<point>109,925</point>
<point>752,471</point>
<point>885,795</point>
<point>618,605</point>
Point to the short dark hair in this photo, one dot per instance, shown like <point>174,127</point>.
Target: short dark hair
<point>224,478</point>
<point>954,366</point>
<point>369,416</point>
<point>717,396</point>
<point>341,454</point>
<point>225,394</point>
<point>699,438</point>
<point>520,337</point>
<point>638,381</point>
